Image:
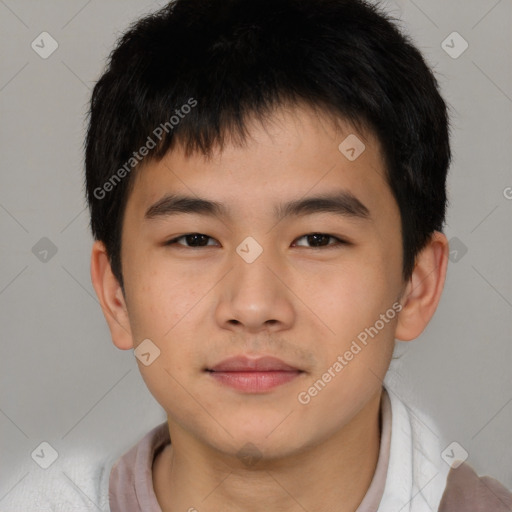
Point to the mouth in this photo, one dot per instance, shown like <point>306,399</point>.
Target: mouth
<point>253,375</point>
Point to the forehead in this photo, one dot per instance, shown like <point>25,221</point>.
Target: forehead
<point>293,153</point>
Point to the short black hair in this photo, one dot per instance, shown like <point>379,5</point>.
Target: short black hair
<point>196,71</point>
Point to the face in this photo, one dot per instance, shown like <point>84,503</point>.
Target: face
<point>312,285</point>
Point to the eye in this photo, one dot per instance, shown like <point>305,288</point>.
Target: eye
<point>194,239</point>
<point>320,240</point>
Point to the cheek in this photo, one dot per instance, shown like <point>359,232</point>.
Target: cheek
<point>161,300</point>
<point>169,388</point>
<point>161,316</point>
<point>348,303</point>
<point>349,294</point>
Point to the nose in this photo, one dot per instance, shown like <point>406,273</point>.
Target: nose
<point>256,296</point>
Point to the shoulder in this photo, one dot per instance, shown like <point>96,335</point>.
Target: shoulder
<point>417,454</point>
<point>467,492</point>
<point>131,477</point>
<point>80,480</point>
<point>415,465</point>
<point>76,482</point>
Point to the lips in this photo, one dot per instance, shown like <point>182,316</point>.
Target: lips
<point>260,375</point>
<point>245,364</point>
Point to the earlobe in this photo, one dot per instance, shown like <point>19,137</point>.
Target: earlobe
<point>423,291</point>
<point>111,298</point>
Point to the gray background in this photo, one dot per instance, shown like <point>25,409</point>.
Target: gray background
<point>63,381</point>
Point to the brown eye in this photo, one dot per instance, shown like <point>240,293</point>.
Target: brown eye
<point>192,240</point>
<point>318,240</point>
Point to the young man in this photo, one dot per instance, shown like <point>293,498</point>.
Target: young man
<point>266,181</point>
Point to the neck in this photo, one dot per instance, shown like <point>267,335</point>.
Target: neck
<point>332,476</point>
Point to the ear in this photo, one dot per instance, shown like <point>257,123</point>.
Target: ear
<point>111,297</point>
<point>423,291</point>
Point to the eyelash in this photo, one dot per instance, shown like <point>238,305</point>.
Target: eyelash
<point>339,241</point>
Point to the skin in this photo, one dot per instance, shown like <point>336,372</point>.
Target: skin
<point>300,303</point>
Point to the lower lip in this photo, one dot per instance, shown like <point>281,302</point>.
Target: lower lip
<point>254,382</point>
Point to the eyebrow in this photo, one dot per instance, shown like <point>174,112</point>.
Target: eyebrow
<point>341,203</point>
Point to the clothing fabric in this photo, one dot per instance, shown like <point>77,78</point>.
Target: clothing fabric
<point>410,475</point>
<point>131,487</point>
